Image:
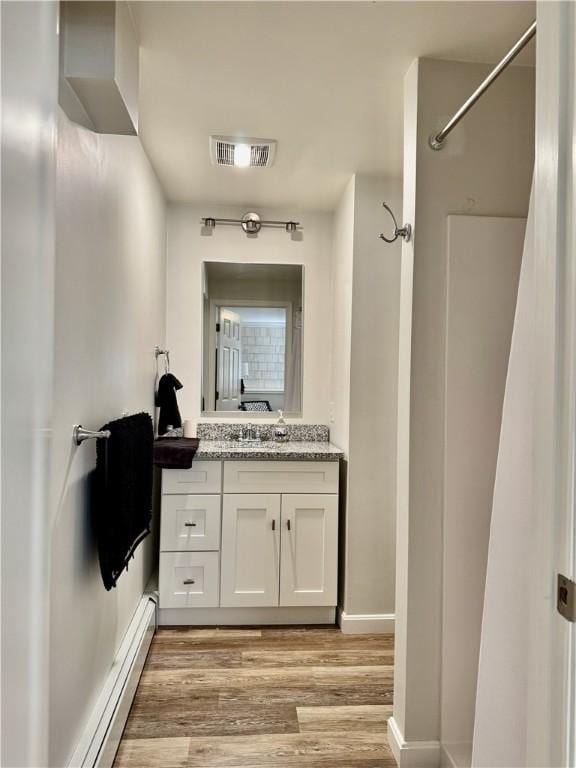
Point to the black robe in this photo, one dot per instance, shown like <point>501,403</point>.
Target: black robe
<point>168,404</point>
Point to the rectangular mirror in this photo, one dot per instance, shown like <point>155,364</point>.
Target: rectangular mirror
<point>252,338</point>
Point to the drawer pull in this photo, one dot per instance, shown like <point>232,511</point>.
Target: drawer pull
<point>274,524</point>
<point>288,525</point>
<point>190,525</point>
<point>188,581</point>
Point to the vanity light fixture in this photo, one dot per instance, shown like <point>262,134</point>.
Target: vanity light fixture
<point>251,223</point>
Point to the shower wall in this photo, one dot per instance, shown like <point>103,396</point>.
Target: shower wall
<point>485,170</point>
<point>484,254</point>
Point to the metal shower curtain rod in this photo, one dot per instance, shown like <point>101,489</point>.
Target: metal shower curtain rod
<point>436,141</point>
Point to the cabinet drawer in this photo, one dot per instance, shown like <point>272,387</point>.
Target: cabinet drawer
<point>190,523</point>
<point>189,579</point>
<point>202,477</point>
<point>281,476</point>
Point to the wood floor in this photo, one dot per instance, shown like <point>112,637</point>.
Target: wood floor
<point>309,697</point>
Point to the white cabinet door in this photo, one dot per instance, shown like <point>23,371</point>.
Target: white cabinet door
<point>189,579</point>
<point>250,550</point>
<point>309,565</point>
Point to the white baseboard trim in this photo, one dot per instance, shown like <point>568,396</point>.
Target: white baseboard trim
<point>244,616</point>
<point>456,755</point>
<point>99,742</point>
<point>412,754</point>
<point>366,623</point>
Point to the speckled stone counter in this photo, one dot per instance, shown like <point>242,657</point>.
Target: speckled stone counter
<point>297,450</point>
<point>219,440</point>
<point>311,433</point>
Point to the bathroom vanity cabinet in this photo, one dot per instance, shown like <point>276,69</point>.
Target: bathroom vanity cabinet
<point>249,541</point>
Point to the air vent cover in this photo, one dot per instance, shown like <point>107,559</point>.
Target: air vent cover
<point>242,153</point>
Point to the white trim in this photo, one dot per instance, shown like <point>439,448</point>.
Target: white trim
<point>457,755</point>
<point>412,754</point>
<point>550,675</point>
<point>366,623</point>
<point>240,616</point>
<point>99,742</point>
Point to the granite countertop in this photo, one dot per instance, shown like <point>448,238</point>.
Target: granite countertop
<point>267,449</point>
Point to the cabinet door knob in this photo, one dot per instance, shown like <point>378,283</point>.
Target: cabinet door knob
<point>190,525</point>
<point>274,524</point>
<point>188,581</point>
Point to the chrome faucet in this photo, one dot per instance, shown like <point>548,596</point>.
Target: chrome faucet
<point>250,434</point>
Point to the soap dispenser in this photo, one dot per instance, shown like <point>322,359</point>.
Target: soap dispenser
<point>280,430</point>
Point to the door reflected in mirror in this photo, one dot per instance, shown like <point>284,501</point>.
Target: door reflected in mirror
<point>252,338</point>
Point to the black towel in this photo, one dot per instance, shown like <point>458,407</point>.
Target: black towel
<point>175,452</point>
<point>168,404</point>
<point>123,492</point>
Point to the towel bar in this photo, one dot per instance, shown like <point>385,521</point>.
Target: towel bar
<point>80,434</point>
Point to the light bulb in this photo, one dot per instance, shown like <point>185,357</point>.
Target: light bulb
<point>242,155</point>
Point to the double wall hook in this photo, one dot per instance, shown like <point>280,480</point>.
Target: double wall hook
<point>404,232</point>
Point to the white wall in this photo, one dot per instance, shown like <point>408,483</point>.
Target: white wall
<point>110,310</point>
<point>485,169</point>
<point>28,135</point>
<point>373,401</point>
<point>188,248</point>
<point>366,291</point>
<point>341,317</point>
<point>402,551</point>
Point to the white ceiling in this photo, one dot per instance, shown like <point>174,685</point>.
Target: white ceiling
<point>323,78</point>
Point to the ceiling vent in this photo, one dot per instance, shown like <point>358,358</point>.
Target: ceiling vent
<point>242,153</point>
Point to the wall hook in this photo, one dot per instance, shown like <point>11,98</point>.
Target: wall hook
<point>404,232</point>
<point>166,353</point>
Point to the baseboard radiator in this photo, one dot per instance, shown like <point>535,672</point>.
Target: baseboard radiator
<point>99,743</point>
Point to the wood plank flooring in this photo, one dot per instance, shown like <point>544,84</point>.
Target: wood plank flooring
<point>221,698</point>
